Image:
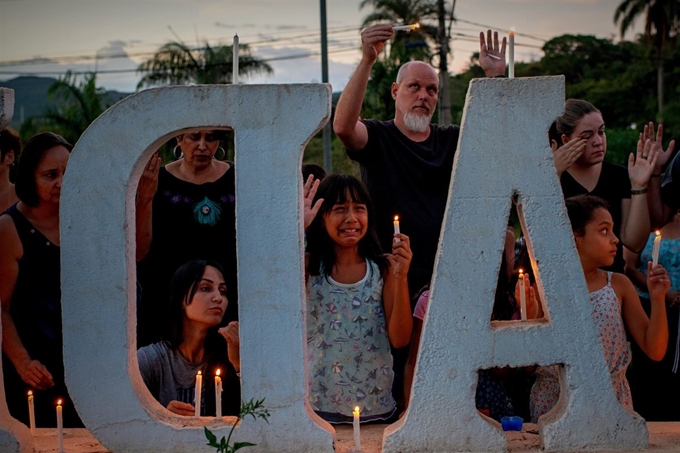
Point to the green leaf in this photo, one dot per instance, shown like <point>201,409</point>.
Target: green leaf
<point>212,439</point>
<point>239,445</point>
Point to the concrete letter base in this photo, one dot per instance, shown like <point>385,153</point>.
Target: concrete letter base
<point>6,107</point>
<point>272,124</point>
<point>502,151</point>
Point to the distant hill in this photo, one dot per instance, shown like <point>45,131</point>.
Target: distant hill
<point>30,96</point>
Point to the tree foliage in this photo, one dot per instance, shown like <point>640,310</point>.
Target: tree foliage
<point>177,64</point>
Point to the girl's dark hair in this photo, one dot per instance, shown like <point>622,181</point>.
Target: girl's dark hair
<point>9,141</point>
<point>30,158</point>
<point>183,287</point>
<point>581,209</point>
<point>321,248</point>
<point>574,111</point>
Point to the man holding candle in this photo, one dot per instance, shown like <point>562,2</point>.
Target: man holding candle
<point>406,162</point>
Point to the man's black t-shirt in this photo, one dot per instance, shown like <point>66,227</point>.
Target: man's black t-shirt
<point>670,185</point>
<point>409,179</point>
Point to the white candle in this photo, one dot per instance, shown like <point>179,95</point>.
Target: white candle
<point>234,72</point>
<point>31,413</point>
<point>511,54</point>
<point>655,249</point>
<point>405,27</point>
<point>218,394</point>
<point>197,394</point>
<point>60,429</point>
<point>396,228</point>
<point>357,430</point>
<point>522,297</point>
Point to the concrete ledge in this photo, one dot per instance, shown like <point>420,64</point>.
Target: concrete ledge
<point>663,437</point>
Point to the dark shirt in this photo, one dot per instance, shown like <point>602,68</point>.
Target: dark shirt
<point>670,184</point>
<point>613,186</point>
<point>409,179</point>
<point>190,221</point>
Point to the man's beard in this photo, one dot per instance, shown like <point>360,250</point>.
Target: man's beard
<point>417,123</point>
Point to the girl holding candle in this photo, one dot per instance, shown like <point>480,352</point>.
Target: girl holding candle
<point>615,304</point>
<point>357,305</point>
<point>169,368</point>
<point>656,385</point>
<point>579,144</point>
<point>30,287</point>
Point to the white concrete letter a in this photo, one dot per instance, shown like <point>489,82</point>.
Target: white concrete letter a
<point>503,151</point>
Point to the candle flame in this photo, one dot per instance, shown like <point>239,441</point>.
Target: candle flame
<point>30,393</point>
<point>521,272</point>
<point>512,30</point>
<point>218,372</point>
<point>199,372</point>
<point>658,233</point>
<point>416,25</point>
<point>59,403</point>
<point>396,218</point>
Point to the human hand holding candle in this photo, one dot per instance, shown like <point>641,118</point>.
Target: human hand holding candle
<point>60,429</point>
<point>656,248</point>
<point>218,395</point>
<point>492,54</point>
<point>357,429</point>
<point>197,394</point>
<point>31,412</point>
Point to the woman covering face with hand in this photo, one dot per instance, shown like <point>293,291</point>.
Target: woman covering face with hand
<point>185,211</point>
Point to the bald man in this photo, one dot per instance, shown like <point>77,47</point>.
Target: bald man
<point>406,162</point>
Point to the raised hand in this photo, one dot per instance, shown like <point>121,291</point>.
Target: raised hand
<point>642,164</point>
<point>400,259</point>
<point>230,333</point>
<point>491,55</point>
<point>373,40</point>
<point>657,144</point>
<point>567,154</point>
<point>658,282</point>
<point>148,183</point>
<point>309,191</point>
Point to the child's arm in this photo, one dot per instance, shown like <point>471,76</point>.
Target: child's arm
<point>395,293</point>
<point>651,334</point>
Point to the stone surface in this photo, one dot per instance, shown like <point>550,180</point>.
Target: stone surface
<point>503,151</point>
<point>6,107</point>
<point>272,124</point>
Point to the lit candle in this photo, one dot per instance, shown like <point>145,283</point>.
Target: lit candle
<point>655,249</point>
<point>234,71</point>
<point>522,297</point>
<point>511,54</point>
<point>60,429</point>
<point>357,430</point>
<point>31,412</point>
<point>405,27</point>
<point>396,228</point>
<point>197,394</point>
<point>218,394</point>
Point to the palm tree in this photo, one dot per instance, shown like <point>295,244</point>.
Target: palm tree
<point>177,64</point>
<point>662,18</point>
<point>414,44</point>
<point>74,106</point>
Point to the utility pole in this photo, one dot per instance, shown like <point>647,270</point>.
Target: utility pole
<point>324,79</point>
<point>443,38</point>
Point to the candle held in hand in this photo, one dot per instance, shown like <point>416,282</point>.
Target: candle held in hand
<point>197,394</point>
<point>656,248</point>
<point>357,430</point>
<point>60,429</point>
<point>522,296</point>
<point>405,27</point>
<point>396,228</point>
<point>218,394</point>
<point>31,412</point>
<point>511,54</point>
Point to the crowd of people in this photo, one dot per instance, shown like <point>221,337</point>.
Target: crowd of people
<point>367,282</point>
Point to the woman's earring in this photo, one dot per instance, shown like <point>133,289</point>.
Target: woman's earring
<point>178,155</point>
<point>224,154</point>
